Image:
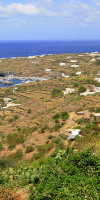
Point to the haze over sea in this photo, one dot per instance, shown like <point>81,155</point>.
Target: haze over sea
<point>31,48</point>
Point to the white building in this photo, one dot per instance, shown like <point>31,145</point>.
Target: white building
<point>69,57</point>
<point>73,61</point>
<point>65,76</point>
<point>41,56</point>
<point>62,64</point>
<point>78,73</point>
<point>31,57</point>
<point>74,66</point>
<point>47,70</point>
<point>97,79</point>
<point>14,89</point>
<point>89,92</point>
<point>93,60</point>
<point>80,55</point>
<point>68,91</point>
<point>74,133</point>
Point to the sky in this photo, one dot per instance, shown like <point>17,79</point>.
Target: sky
<point>50,20</point>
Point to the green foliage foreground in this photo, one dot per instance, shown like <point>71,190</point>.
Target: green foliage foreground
<point>63,176</point>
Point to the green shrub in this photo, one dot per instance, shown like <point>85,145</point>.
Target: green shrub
<point>34,128</point>
<point>15,117</point>
<point>56,120</point>
<point>80,121</point>
<point>37,156</point>
<point>60,145</point>
<point>11,120</point>
<point>45,148</point>
<point>64,115</point>
<point>11,146</point>
<point>97,110</point>
<point>17,156</point>
<point>62,124</point>
<point>56,127</point>
<point>56,93</point>
<point>56,116</point>
<point>64,137</point>
<point>18,129</point>
<point>29,111</point>
<point>13,139</point>
<point>95,127</point>
<point>4,163</point>
<point>81,89</point>
<point>95,133</point>
<point>50,136</point>
<point>1,146</point>
<point>29,149</point>
<point>57,140</point>
<point>44,128</point>
<point>76,84</point>
<point>3,117</point>
<point>79,109</point>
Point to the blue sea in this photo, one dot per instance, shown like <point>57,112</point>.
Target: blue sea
<point>31,48</point>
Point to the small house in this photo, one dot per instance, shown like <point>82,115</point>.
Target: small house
<point>69,91</point>
<point>74,133</point>
<point>80,55</point>
<point>62,64</point>
<point>80,113</point>
<point>74,66</point>
<point>73,61</point>
<point>93,60</point>
<point>65,76</point>
<point>47,70</point>
<point>69,57</point>
<point>14,89</point>
<point>78,73</point>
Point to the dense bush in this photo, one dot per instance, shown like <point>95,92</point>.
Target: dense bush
<point>64,176</point>
<point>56,116</point>
<point>37,156</point>
<point>3,163</point>
<point>64,115</point>
<point>80,121</point>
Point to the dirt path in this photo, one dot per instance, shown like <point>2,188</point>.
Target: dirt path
<point>70,123</point>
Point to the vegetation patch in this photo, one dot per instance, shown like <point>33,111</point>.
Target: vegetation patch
<point>56,93</point>
<point>45,148</point>
<point>29,149</point>
<point>1,146</point>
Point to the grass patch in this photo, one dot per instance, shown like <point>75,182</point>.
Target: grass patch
<point>29,149</point>
<point>56,93</point>
<point>1,146</point>
<point>45,148</point>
